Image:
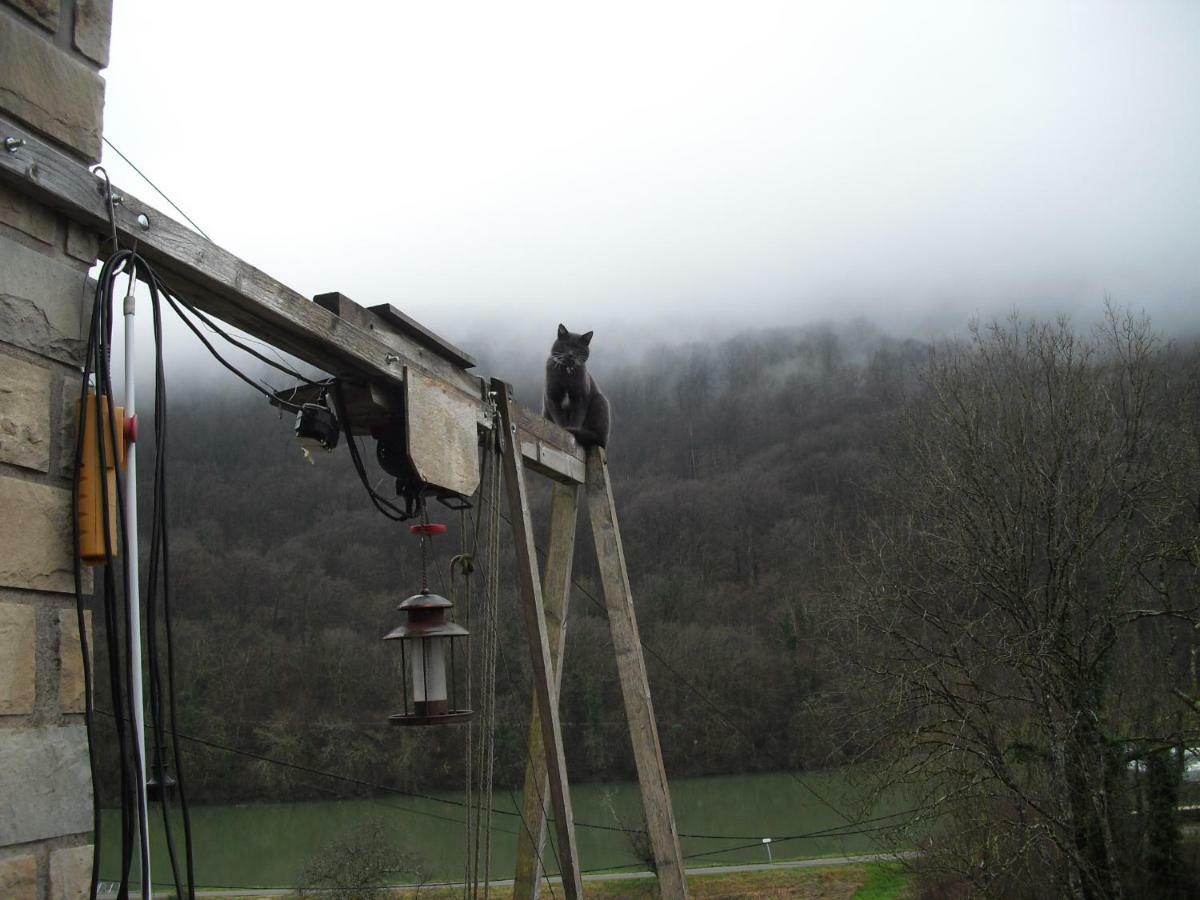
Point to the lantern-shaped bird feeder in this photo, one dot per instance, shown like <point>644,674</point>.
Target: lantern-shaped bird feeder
<point>427,651</point>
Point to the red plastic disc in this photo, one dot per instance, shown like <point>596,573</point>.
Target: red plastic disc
<point>432,528</point>
<point>131,430</point>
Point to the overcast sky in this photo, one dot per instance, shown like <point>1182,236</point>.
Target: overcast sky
<point>666,169</point>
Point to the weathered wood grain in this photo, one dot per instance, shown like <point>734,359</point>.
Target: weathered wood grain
<point>412,328</point>
<point>635,687</point>
<point>556,595</point>
<point>541,664</point>
<point>443,433</point>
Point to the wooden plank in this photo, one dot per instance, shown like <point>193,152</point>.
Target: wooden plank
<point>556,594</point>
<point>224,286</point>
<point>551,462</point>
<point>387,323</point>
<point>635,687</point>
<point>443,437</point>
<point>549,450</point>
<point>422,335</point>
<point>541,665</point>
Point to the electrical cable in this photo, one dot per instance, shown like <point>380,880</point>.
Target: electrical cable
<point>160,559</point>
<point>382,504</point>
<point>175,305</point>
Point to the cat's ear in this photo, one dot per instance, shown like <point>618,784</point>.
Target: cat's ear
<point>562,331</point>
<point>586,338</point>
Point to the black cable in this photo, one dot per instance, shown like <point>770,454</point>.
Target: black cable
<point>159,561</point>
<point>385,506</point>
<point>229,338</point>
<point>89,699</point>
<point>175,305</point>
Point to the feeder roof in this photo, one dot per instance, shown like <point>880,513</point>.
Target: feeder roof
<point>425,600</point>
<point>426,630</point>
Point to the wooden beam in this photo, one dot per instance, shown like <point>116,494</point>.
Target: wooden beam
<point>549,450</point>
<point>556,595</point>
<point>422,335</point>
<point>541,664</point>
<point>635,687</point>
<point>216,281</point>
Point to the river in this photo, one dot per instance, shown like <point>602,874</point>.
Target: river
<point>268,845</point>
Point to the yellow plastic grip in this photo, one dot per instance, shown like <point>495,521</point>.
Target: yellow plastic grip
<point>94,549</point>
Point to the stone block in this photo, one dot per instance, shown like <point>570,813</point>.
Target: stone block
<point>71,695</point>
<point>35,534</point>
<point>41,303</point>
<point>48,88</point>
<point>82,243</point>
<point>19,211</point>
<point>93,27</point>
<point>44,12</point>
<point>24,413</point>
<point>18,664</point>
<point>18,878</point>
<point>71,873</point>
<point>68,425</point>
<point>45,783</point>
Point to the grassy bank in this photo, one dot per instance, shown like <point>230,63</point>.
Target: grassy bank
<point>871,881</point>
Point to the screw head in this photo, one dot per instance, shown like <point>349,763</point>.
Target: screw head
<point>143,221</point>
<point>13,144</point>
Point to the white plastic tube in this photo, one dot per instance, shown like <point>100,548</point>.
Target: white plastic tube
<point>429,659</point>
<point>135,603</point>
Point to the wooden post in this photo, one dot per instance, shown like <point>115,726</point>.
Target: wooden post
<point>556,594</point>
<point>542,668</point>
<point>631,666</point>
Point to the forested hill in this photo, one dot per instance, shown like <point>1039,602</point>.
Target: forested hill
<point>737,464</point>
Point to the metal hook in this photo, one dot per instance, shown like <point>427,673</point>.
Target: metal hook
<point>113,199</point>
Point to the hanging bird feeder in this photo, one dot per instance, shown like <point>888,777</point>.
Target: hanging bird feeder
<point>427,651</point>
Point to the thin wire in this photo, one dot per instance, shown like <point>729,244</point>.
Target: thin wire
<point>146,179</point>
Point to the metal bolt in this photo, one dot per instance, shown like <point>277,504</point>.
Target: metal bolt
<point>13,144</point>
<point>391,358</point>
<point>144,221</point>
<point>104,189</point>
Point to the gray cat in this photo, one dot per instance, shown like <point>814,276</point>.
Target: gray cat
<point>573,400</point>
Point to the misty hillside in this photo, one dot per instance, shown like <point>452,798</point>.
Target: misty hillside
<point>736,465</point>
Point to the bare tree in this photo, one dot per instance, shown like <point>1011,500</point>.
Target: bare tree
<point>1038,530</point>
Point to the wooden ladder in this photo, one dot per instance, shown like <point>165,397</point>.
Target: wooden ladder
<point>545,602</point>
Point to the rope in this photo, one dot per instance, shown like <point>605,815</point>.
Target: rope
<point>480,738</point>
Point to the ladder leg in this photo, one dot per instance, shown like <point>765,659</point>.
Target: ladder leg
<point>631,666</point>
<point>544,685</point>
<point>556,594</point>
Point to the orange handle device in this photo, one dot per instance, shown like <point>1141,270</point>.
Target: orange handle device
<point>94,549</point>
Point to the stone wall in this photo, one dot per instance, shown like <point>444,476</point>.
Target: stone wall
<point>51,53</point>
